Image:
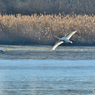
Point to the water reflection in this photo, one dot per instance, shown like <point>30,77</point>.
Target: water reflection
<point>48,77</point>
<point>44,55</point>
<point>45,52</point>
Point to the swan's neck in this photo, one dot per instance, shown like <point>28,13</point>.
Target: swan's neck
<point>56,37</point>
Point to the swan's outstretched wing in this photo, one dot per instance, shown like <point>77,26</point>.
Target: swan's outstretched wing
<point>69,35</point>
<point>57,44</point>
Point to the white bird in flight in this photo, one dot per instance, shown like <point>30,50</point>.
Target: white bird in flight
<point>64,39</point>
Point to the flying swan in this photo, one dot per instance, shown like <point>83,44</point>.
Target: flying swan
<point>63,39</point>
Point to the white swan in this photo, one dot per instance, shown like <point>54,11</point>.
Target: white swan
<point>1,50</point>
<point>64,39</point>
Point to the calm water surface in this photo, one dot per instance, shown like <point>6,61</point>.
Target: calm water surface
<point>27,71</point>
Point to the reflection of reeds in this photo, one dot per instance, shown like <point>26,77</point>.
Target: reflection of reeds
<point>40,29</point>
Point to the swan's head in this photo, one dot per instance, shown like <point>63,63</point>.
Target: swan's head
<point>71,42</point>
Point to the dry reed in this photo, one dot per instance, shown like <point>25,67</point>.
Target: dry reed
<point>40,29</point>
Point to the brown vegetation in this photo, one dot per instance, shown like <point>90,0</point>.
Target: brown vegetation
<point>40,29</point>
<point>43,19</point>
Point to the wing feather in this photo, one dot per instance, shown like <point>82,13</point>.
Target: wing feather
<point>57,44</point>
<point>69,35</point>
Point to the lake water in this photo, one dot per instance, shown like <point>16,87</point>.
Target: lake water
<point>36,70</point>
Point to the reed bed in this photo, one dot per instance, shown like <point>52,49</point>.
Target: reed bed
<point>40,29</point>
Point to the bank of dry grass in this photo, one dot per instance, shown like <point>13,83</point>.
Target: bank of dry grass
<point>40,29</point>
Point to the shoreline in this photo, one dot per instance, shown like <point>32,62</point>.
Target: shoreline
<point>45,52</point>
<point>45,47</point>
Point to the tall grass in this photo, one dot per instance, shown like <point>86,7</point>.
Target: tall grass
<point>40,29</point>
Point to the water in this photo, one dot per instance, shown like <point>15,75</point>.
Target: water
<point>27,70</point>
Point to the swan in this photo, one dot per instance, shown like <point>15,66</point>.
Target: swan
<point>63,39</point>
<point>1,50</point>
